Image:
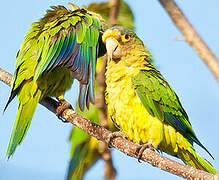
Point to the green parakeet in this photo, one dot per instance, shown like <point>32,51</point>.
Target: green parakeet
<point>60,47</point>
<point>143,104</point>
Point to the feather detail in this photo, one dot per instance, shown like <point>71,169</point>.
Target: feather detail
<point>54,51</point>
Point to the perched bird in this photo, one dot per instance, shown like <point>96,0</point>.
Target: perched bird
<point>142,103</point>
<point>62,46</point>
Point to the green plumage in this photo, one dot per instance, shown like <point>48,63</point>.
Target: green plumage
<point>142,102</point>
<point>29,98</point>
<point>60,47</point>
<point>161,101</point>
<point>159,98</point>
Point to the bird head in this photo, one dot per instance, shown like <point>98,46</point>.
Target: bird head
<point>120,42</point>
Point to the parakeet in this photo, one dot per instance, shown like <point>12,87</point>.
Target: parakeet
<point>142,103</point>
<point>60,47</point>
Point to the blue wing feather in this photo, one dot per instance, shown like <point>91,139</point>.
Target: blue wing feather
<point>60,58</point>
<point>75,47</point>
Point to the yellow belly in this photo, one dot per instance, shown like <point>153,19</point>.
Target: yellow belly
<point>131,116</point>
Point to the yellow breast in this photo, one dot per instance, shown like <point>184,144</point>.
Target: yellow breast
<point>130,114</point>
<point>126,108</point>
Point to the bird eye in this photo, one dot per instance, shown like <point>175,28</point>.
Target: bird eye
<point>126,37</point>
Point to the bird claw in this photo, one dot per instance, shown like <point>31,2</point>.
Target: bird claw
<point>142,148</point>
<point>115,135</point>
<point>63,105</point>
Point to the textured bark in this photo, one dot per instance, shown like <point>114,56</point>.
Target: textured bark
<point>119,143</point>
<point>191,36</point>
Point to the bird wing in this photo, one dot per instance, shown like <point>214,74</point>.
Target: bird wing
<point>65,38</point>
<point>162,102</point>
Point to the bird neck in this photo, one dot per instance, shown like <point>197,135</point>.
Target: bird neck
<point>135,58</point>
<point>125,68</point>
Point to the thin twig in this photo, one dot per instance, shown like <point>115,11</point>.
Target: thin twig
<point>119,143</point>
<point>191,36</point>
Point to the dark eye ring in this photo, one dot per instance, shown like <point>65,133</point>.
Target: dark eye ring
<point>127,37</point>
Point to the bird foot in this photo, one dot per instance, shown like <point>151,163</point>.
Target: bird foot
<point>63,105</point>
<point>142,148</point>
<point>115,135</point>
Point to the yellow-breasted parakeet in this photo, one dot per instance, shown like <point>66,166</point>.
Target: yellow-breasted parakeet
<point>142,103</point>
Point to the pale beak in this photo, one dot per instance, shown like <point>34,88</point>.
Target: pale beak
<point>111,46</point>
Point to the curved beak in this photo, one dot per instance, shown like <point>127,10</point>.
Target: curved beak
<point>111,46</point>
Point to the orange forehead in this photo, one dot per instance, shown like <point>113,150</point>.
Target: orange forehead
<point>111,33</point>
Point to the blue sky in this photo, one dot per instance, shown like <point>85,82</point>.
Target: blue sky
<point>44,154</point>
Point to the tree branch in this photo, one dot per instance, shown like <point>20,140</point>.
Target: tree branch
<point>191,36</point>
<point>119,143</point>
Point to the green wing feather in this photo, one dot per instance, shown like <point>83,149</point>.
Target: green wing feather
<point>60,39</point>
<point>63,38</point>
<point>69,40</point>
<point>161,101</point>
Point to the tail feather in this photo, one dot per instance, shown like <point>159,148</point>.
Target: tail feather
<point>190,157</point>
<point>12,96</point>
<point>202,146</point>
<point>22,121</point>
<point>85,155</point>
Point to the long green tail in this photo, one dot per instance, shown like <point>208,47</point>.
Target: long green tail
<point>28,97</point>
<point>192,158</point>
